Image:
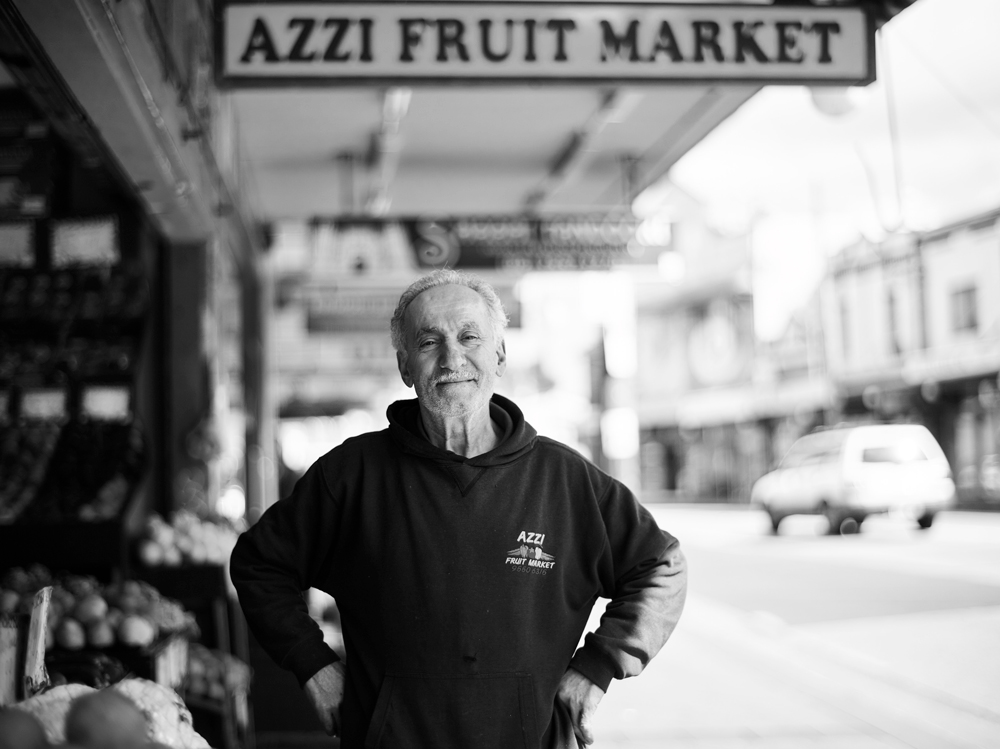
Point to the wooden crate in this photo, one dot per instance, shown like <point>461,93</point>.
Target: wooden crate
<point>22,651</point>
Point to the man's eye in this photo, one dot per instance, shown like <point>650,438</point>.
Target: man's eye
<point>470,337</point>
<point>425,344</point>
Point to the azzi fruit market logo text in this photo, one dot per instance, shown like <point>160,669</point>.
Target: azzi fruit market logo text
<point>529,556</point>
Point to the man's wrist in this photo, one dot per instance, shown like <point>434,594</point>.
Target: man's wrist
<point>594,666</point>
<point>307,662</point>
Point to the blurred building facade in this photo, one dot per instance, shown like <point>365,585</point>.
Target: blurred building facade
<point>905,330</point>
<point>913,334</point>
<point>717,404</point>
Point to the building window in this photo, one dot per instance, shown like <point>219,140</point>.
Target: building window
<point>893,314</point>
<point>963,310</point>
<point>845,328</point>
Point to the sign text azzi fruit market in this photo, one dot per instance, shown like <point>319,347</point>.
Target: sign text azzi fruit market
<point>325,43</point>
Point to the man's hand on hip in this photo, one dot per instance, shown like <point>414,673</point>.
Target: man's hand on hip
<point>326,692</point>
<point>581,696</point>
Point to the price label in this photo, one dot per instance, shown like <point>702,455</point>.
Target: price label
<point>47,405</point>
<point>92,242</point>
<point>106,403</point>
<point>17,245</point>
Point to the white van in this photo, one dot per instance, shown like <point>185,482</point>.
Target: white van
<point>847,473</point>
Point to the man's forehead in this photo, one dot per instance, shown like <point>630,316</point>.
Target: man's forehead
<point>448,305</point>
<point>454,324</point>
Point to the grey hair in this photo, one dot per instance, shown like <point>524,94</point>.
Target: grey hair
<point>444,277</point>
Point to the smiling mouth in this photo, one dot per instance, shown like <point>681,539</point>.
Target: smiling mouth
<point>455,380</point>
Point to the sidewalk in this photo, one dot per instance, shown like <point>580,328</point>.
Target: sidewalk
<point>727,680</point>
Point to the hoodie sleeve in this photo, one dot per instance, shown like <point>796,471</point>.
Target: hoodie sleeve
<point>647,596</point>
<point>272,565</point>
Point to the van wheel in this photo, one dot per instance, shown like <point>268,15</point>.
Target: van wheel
<point>775,522</point>
<point>833,520</point>
<point>841,522</point>
<point>850,525</point>
<point>925,521</point>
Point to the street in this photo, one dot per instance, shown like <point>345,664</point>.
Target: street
<point>887,638</point>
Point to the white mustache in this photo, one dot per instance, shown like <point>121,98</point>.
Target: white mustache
<point>455,377</point>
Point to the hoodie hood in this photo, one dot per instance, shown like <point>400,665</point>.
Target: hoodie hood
<point>519,435</point>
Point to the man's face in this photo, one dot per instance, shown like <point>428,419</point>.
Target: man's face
<point>451,358</point>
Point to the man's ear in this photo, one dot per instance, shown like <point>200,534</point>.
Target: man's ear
<point>501,358</point>
<point>404,372</point>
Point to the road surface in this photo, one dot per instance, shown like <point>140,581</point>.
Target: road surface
<point>885,639</point>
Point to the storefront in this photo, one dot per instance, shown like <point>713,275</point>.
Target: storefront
<point>131,366</point>
<point>137,407</point>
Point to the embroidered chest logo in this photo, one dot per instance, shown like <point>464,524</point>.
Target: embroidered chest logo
<point>529,556</point>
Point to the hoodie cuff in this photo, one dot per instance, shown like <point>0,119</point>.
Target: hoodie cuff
<point>594,666</point>
<point>307,658</point>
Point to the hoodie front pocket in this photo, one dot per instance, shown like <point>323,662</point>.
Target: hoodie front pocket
<point>485,711</point>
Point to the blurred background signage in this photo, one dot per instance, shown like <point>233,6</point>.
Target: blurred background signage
<point>513,243</point>
<point>274,43</point>
<point>342,308</point>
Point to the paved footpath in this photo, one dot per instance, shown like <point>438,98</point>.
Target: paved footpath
<point>729,679</point>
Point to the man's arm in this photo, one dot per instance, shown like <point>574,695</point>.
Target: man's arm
<point>640,621</point>
<point>647,585</point>
<point>281,556</point>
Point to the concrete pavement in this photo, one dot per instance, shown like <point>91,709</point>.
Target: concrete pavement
<point>729,679</point>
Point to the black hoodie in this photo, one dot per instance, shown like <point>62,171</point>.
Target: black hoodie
<point>464,584</point>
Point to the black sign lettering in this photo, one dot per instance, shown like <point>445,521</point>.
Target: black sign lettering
<point>824,30</point>
<point>613,44</point>
<point>260,41</point>
<point>450,34</point>
<point>366,39</point>
<point>706,36</point>
<point>529,40</point>
<point>560,26</point>
<point>666,42</point>
<point>413,31</point>
<point>484,28</point>
<point>468,41</point>
<point>788,41</point>
<point>340,27</point>
<point>305,26</point>
<point>745,42</point>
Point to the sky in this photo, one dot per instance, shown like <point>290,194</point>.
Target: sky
<point>810,172</point>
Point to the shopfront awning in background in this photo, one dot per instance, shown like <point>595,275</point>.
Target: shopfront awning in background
<point>390,109</point>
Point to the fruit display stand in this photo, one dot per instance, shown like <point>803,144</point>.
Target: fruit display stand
<point>72,453</point>
<point>217,693</point>
<point>187,559</point>
<point>218,684</point>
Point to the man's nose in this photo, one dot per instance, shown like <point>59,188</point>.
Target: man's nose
<point>452,355</point>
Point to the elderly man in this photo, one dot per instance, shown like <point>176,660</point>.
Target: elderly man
<point>465,553</point>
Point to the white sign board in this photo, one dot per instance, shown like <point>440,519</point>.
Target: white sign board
<point>276,43</point>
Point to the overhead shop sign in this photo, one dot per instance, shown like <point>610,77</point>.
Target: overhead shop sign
<point>280,43</point>
<point>344,309</point>
<point>523,244</point>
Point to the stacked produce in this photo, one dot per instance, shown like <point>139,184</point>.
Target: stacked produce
<point>133,712</point>
<point>187,539</point>
<point>83,614</point>
<point>212,674</point>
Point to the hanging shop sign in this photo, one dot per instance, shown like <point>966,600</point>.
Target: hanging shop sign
<point>340,308</point>
<point>280,43</point>
<point>514,243</point>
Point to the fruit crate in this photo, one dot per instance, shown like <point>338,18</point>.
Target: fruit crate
<point>204,590</point>
<point>165,661</point>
